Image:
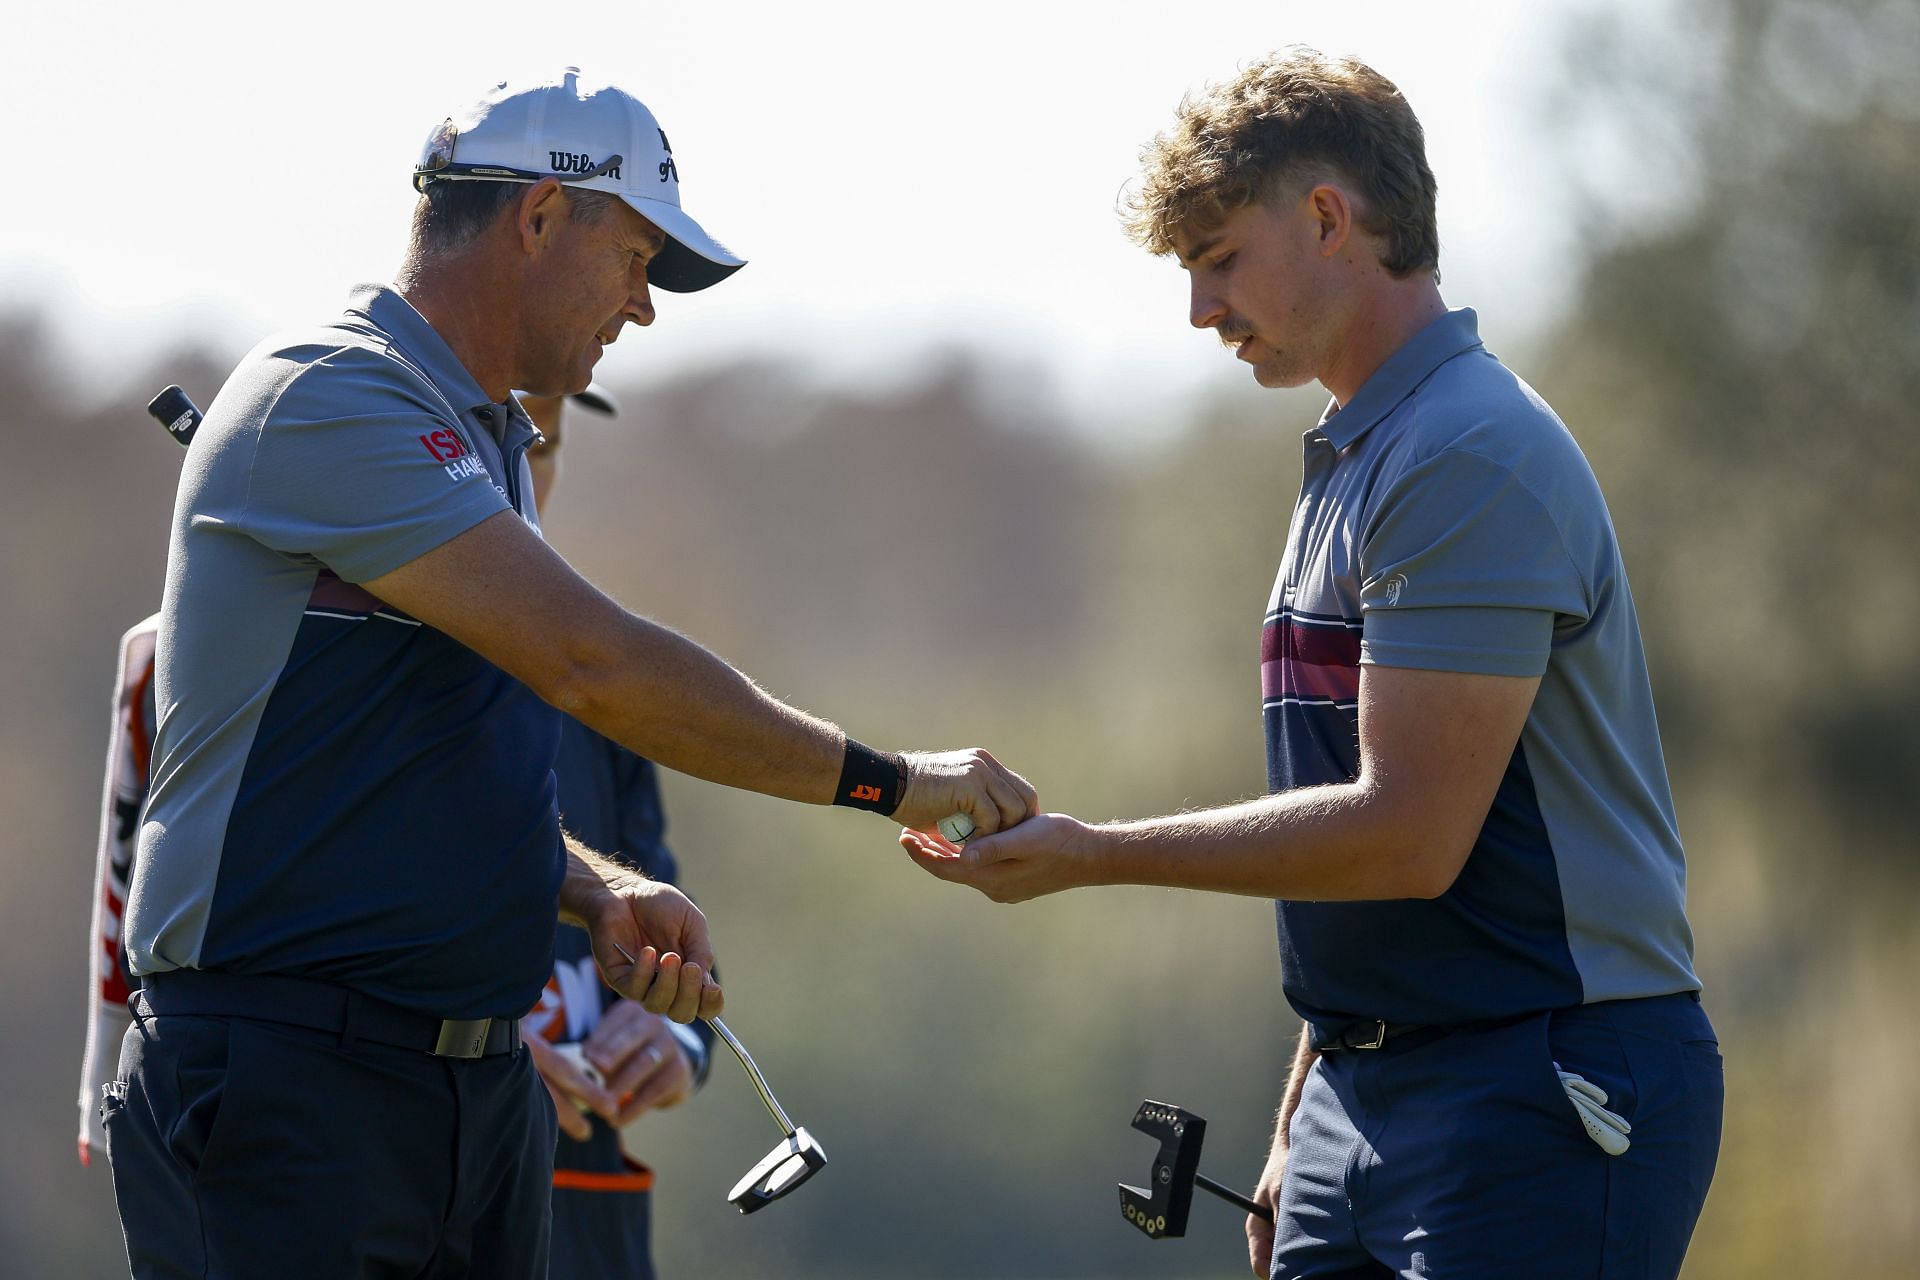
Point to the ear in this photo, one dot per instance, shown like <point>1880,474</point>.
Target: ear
<point>538,213</point>
<point>1332,215</point>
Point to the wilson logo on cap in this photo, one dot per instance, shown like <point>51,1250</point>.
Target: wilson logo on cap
<point>578,162</point>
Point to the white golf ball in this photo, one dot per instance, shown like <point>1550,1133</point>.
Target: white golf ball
<point>957,827</point>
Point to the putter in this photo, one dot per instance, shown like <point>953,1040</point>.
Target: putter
<point>1162,1212</point>
<point>787,1165</point>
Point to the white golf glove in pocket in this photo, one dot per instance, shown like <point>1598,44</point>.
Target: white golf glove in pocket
<point>1608,1129</point>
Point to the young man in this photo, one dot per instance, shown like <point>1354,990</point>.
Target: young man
<point>1505,1069</point>
<point>349,860</point>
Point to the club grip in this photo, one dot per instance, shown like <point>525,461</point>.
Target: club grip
<point>176,411</point>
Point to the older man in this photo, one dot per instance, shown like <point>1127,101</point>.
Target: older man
<point>1505,1069</point>
<point>349,862</point>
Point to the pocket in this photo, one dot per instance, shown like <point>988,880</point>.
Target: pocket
<point>1585,1043</point>
<point>200,1079</point>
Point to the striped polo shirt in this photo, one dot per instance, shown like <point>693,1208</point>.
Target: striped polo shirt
<point>340,792</point>
<point>1447,521</point>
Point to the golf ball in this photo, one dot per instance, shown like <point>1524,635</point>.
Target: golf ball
<point>956,827</point>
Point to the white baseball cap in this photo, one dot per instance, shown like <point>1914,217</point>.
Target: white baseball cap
<point>596,137</point>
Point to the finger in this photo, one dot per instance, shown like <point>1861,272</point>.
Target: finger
<point>929,856</point>
<point>640,973</point>
<point>712,1000</point>
<point>660,994</point>
<point>610,1047</point>
<point>1260,1246</point>
<point>686,1001</point>
<point>637,1070</point>
<point>561,1072</point>
<point>1028,796</point>
<point>1010,804</point>
<point>931,842</point>
<point>572,1120</point>
<point>670,1085</point>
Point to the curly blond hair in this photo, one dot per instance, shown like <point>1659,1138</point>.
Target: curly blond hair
<point>1290,119</point>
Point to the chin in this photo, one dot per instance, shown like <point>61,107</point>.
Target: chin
<point>1276,377</point>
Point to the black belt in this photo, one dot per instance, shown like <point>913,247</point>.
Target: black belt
<point>321,1006</point>
<point>1373,1033</point>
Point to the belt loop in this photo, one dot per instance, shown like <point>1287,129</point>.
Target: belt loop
<point>347,1019</point>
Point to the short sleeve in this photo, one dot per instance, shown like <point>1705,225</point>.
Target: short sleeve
<point>359,468</point>
<point>1463,569</point>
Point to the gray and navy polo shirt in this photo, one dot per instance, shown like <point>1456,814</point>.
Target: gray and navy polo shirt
<point>340,792</point>
<point>1447,521</point>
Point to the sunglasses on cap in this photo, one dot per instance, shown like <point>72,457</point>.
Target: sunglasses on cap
<point>436,165</point>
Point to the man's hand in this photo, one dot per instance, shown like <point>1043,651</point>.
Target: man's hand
<point>1043,855</point>
<point>648,939</point>
<point>972,782</point>
<point>1266,1192</point>
<point>651,944</point>
<point>644,1064</point>
<point>569,1086</point>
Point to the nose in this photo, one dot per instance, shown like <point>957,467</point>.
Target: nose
<point>1204,308</point>
<point>639,308</point>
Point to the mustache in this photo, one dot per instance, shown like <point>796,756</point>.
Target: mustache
<point>1232,331</point>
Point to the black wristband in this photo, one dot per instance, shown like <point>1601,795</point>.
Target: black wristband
<point>871,780</point>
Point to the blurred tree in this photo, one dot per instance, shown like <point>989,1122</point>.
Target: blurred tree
<point>1744,369</point>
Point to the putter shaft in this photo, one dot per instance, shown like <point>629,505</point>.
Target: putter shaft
<point>746,1060</point>
<point>753,1073</point>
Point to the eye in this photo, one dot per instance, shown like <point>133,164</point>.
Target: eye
<point>1224,261</point>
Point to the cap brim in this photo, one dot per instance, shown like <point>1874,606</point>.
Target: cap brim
<point>597,398</point>
<point>692,259</point>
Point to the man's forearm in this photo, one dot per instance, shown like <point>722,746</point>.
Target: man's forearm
<point>1331,844</point>
<point>665,697</point>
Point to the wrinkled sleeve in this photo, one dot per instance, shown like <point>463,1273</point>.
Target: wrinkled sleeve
<point>1463,569</point>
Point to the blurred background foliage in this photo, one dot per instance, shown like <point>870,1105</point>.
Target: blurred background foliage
<point>1742,365</point>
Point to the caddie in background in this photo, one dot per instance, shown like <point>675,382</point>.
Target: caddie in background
<point>1505,1071</point>
<point>350,859</point>
<point>605,1060</point>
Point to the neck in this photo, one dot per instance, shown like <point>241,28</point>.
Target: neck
<point>459,298</point>
<point>1388,316</point>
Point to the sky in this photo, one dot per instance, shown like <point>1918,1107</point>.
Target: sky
<point>902,178</point>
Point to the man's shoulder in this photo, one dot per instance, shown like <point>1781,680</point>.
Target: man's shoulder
<point>322,373</point>
<point>1475,405</point>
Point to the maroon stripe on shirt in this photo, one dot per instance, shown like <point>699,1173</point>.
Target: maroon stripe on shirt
<point>329,592</point>
<point>1309,661</point>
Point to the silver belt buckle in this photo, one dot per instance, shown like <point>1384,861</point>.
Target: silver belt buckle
<point>462,1038</point>
<point>1379,1036</point>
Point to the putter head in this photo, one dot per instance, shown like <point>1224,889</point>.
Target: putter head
<point>779,1172</point>
<point>1162,1212</point>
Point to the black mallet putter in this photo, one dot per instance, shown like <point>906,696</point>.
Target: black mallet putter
<point>1162,1212</point>
<point>787,1165</point>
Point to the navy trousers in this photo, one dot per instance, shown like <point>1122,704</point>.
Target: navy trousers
<point>243,1148</point>
<point>1459,1156</point>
